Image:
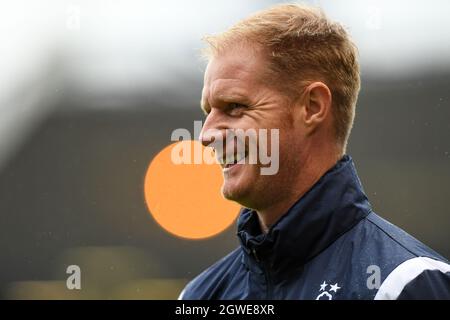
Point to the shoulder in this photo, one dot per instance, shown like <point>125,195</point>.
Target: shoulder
<point>417,278</point>
<point>378,260</point>
<point>206,284</point>
<point>417,271</point>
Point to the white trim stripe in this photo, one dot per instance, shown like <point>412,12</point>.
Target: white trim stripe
<point>180,297</point>
<point>407,271</point>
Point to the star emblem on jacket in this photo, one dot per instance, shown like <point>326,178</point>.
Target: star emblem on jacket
<point>326,294</point>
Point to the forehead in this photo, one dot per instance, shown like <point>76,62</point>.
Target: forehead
<point>239,68</point>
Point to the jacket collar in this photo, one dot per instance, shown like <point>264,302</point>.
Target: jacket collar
<point>331,207</point>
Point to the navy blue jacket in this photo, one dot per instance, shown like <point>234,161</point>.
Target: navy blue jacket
<point>329,245</point>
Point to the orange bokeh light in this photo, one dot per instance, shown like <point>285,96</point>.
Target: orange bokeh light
<point>185,199</point>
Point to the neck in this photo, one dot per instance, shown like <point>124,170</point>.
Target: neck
<point>312,170</point>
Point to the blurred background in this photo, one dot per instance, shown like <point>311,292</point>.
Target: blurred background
<point>91,90</point>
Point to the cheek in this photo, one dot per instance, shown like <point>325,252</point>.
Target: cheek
<point>291,147</point>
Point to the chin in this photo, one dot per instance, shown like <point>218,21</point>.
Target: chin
<point>231,192</point>
<point>235,192</point>
<point>240,186</point>
<point>244,194</point>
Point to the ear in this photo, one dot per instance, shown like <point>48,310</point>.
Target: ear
<point>317,104</point>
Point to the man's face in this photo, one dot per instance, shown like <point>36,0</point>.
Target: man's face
<point>236,96</point>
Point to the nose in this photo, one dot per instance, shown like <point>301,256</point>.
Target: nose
<point>213,129</point>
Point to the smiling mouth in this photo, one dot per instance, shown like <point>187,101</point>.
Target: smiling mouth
<point>232,160</point>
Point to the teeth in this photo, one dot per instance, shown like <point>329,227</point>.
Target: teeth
<point>240,157</point>
<point>219,158</point>
<point>232,159</point>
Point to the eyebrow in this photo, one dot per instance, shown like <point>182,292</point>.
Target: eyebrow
<point>230,97</point>
<point>226,97</point>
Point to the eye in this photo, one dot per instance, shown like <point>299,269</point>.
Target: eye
<point>234,107</point>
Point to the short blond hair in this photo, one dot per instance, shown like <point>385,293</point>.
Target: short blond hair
<point>302,45</point>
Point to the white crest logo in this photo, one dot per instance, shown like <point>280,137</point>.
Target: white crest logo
<point>327,295</point>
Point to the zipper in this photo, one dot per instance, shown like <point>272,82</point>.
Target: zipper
<point>266,274</point>
<point>268,281</point>
<point>255,255</point>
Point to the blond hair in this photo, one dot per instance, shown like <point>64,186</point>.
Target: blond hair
<point>302,45</point>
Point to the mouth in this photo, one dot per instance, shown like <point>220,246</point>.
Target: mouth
<point>232,160</point>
